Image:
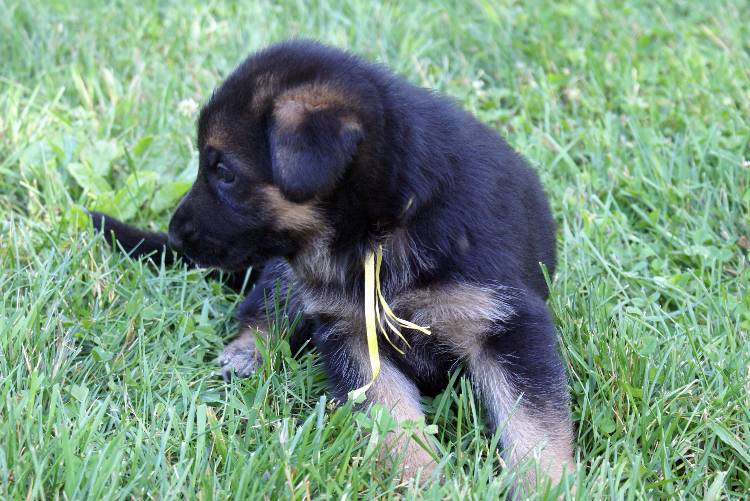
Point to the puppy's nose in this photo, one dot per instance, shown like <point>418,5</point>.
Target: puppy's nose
<point>178,236</point>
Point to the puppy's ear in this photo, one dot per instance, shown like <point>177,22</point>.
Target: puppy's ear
<point>311,144</point>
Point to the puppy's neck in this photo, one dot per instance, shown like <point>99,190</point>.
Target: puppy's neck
<point>323,263</point>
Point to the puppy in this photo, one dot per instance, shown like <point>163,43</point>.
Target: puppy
<point>311,160</point>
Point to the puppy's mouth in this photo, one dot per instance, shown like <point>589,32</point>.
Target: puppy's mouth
<point>222,260</point>
<point>210,253</point>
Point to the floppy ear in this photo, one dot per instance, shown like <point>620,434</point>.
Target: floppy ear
<point>311,147</point>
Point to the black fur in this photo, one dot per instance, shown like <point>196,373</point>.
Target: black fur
<point>369,159</point>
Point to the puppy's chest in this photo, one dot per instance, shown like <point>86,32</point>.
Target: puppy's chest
<point>459,316</point>
<point>332,302</point>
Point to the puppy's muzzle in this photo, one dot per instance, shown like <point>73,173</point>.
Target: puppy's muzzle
<point>181,229</point>
<point>178,237</point>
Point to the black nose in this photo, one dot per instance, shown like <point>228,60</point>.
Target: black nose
<point>180,235</point>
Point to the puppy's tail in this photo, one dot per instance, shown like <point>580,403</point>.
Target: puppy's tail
<point>154,247</point>
<point>135,242</point>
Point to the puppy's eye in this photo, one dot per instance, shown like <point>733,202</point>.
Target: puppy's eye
<point>224,173</point>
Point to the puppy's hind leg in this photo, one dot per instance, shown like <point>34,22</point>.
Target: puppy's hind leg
<point>519,375</point>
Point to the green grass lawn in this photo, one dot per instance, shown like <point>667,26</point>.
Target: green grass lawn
<point>636,115</point>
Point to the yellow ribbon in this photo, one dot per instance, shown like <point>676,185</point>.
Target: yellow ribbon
<point>374,302</point>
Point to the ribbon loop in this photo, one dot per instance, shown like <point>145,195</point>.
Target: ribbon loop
<point>374,303</point>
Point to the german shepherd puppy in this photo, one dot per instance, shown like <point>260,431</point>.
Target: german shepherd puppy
<point>311,159</point>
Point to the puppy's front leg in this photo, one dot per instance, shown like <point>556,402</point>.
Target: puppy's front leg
<point>347,365</point>
<point>241,357</point>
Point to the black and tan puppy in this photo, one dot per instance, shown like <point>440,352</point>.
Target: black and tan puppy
<point>310,160</point>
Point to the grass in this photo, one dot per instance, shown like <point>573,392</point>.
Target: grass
<point>637,115</point>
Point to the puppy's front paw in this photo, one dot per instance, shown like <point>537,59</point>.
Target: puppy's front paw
<point>240,357</point>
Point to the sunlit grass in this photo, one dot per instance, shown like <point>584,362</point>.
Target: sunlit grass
<point>635,114</point>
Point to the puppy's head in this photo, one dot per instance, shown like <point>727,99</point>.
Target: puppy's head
<point>275,141</point>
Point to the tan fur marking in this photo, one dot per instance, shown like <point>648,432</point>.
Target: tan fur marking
<point>246,337</point>
<point>326,301</point>
<point>459,315</point>
<point>294,105</point>
<point>317,95</point>
<point>241,357</point>
<point>315,263</point>
<point>459,301</point>
<point>290,114</point>
<point>266,86</point>
<point>350,123</point>
<point>405,256</point>
<point>393,390</point>
<point>524,435</point>
<point>217,138</point>
<point>290,216</point>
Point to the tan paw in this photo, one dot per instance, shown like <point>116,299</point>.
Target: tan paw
<point>240,357</point>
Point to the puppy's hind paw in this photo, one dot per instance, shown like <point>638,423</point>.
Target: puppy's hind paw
<point>239,358</point>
